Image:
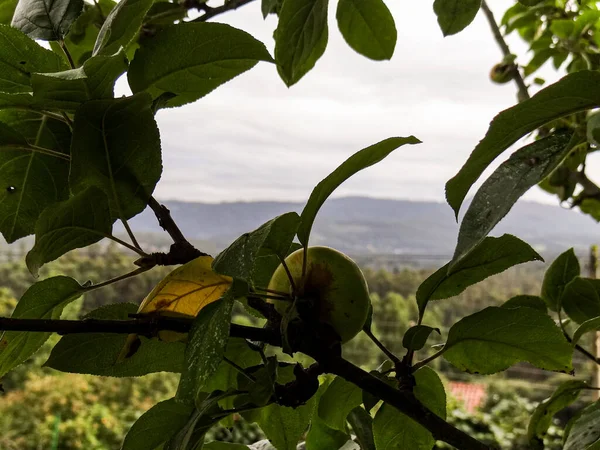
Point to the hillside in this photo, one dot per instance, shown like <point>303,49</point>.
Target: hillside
<point>360,225</point>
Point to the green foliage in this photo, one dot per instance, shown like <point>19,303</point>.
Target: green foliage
<point>74,159</point>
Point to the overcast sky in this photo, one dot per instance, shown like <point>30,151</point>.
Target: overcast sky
<point>255,139</point>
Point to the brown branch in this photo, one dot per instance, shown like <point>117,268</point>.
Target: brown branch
<point>329,362</point>
<point>523,90</point>
<point>210,12</point>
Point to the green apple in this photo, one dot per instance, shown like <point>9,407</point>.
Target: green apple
<point>334,287</point>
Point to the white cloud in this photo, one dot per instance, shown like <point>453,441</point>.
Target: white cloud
<point>253,138</point>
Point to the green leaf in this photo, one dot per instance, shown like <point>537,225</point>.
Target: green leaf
<point>116,146</point>
<point>192,59</point>
<point>75,223</point>
<point>584,431</point>
<point>560,273</point>
<point>43,300</point>
<point>416,337</point>
<point>585,327</point>
<point>48,20</point>
<point>581,299</point>
<point>541,418</point>
<point>360,160</point>
<point>157,425</point>
<point>494,339</point>
<point>300,38</point>
<point>320,436</point>
<point>273,237</point>
<point>97,353</point>
<point>574,92</point>
<point>492,256</point>
<point>69,89</point>
<point>7,9</point>
<point>368,27</point>
<point>362,425</point>
<point>524,169</point>
<point>455,15</point>
<point>285,426</point>
<point>526,301</point>
<point>217,445</point>
<point>20,56</point>
<point>226,376</point>
<point>394,430</point>
<point>83,32</point>
<point>270,7</point>
<point>206,345</point>
<point>530,3</point>
<point>31,180</point>
<point>339,399</point>
<point>121,26</point>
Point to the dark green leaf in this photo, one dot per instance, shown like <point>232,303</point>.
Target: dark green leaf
<point>157,425</point>
<point>492,256</point>
<point>191,59</point>
<point>586,327</point>
<point>121,26</point>
<point>43,300</point>
<point>226,376</point>
<point>526,301</point>
<point>362,425</point>
<point>416,337</point>
<point>32,178</point>
<point>48,20</point>
<point>217,445</point>
<point>584,431</point>
<point>369,400</point>
<point>300,38</point>
<point>581,299</point>
<point>575,92</point>
<point>83,32</point>
<point>285,426</point>
<point>525,168</point>
<point>339,399</point>
<point>69,89</point>
<point>270,7</point>
<point>360,160</point>
<point>541,418</point>
<point>394,430</point>
<point>368,27</point>
<point>75,223</point>
<point>98,353</point>
<point>206,346</point>
<point>20,56</point>
<point>116,146</point>
<point>560,273</point>
<point>494,339</point>
<point>320,436</point>
<point>274,237</point>
<point>530,3</point>
<point>455,15</point>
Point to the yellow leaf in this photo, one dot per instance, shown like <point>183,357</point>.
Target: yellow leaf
<point>184,292</point>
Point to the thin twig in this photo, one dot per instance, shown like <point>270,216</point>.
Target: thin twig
<point>523,90</point>
<point>163,215</point>
<point>131,274</point>
<point>210,12</point>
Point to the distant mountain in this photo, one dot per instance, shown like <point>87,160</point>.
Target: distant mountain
<point>361,225</point>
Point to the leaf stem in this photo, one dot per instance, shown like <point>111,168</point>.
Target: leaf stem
<point>272,291</point>
<point>37,149</point>
<point>239,369</point>
<point>427,360</point>
<point>210,12</point>
<point>578,347</point>
<point>382,347</point>
<point>131,274</point>
<point>131,235</point>
<point>289,274</point>
<point>126,244</point>
<point>65,50</point>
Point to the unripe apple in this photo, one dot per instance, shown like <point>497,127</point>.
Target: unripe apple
<point>334,288</point>
<point>503,72</point>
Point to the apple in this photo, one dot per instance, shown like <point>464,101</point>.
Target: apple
<point>334,288</point>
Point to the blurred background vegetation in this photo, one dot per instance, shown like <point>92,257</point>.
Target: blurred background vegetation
<point>44,409</point>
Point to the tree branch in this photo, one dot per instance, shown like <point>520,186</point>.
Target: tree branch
<point>210,12</point>
<point>404,400</point>
<point>523,90</point>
